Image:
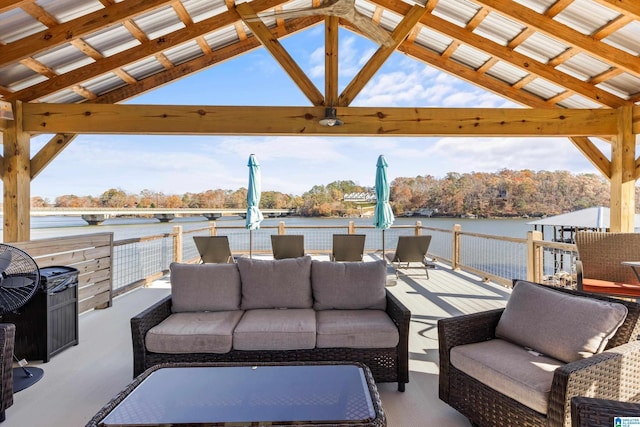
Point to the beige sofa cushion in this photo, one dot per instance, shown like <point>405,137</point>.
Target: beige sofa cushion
<point>355,329</point>
<point>559,325</point>
<point>272,329</point>
<point>204,287</point>
<point>509,369</point>
<point>203,332</point>
<point>282,283</point>
<point>349,285</point>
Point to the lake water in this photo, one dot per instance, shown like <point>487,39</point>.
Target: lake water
<point>125,228</point>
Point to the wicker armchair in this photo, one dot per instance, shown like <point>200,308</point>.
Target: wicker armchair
<point>612,374</point>
<point>7,340</point>
<point>589,412</point>
<point>600,269</point>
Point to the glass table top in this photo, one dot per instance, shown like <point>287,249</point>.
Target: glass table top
<point>309,393</point>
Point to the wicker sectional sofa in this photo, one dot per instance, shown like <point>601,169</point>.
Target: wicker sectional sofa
<point>287,310</point>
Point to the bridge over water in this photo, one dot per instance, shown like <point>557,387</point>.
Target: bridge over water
<point>95,216</point>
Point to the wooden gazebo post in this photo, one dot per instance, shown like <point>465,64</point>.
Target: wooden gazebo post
<point>16,178</point>
<point>623,162</point>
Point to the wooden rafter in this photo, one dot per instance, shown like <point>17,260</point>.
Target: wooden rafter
<point>200,63</point>
<point>593,154</point>
<point>79,27</point>
<point>49,152</point>
<point>132,55</point>
<point>382,54</point>
<point>280,54</point>
<point>517,59</point>
<point>557,30</point>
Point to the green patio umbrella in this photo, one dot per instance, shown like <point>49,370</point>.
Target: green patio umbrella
<point>254,216</point>
<point>383,215</point>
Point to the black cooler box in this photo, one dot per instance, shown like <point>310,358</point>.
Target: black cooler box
<point>48,323</point>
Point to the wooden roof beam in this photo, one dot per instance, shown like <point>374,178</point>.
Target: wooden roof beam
<point>382,54</point>
<point>76,28</point>
<point>49,152</point>
<point>294,121</point>
<point>198,64</point>
<point>627,7</point>
<point>593,154</point>
<point>279,53</point>
<point>517,59</point>
<point>477,78</point>
<point>559,31</point>
<point>134,54</point>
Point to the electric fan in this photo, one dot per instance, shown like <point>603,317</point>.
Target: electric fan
<point>19,281</point>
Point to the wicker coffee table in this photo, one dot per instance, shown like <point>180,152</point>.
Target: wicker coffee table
<point>223,394</point>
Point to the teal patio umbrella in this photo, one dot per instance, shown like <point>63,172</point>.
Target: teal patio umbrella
<point>383,215</point>
<point>254,216</point>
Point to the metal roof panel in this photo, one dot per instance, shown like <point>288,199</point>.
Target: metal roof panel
<point>498,28</point>
<point>64,58</point>
<point>67,10</point>
<point>458,12</point>
<point>541,48</point>
<point>160,22</point>
<point>112,40</point>
<point>583,66</point>
<point>506,72</point>
<point>199,10</point>
<point>144,68</point>
<point>585,16</point>
<point>16,24</point>
<point>626,38</point>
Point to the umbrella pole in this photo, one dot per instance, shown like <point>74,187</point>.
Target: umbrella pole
<point>383,257</point>
<point>250,242</point>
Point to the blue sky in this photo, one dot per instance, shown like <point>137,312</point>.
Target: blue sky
<point>92,164</point>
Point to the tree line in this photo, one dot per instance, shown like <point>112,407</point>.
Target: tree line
<point>505,193</point>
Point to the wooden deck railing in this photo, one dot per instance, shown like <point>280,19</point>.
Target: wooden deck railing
<point>109,268</point>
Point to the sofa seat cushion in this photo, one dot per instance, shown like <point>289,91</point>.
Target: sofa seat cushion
<point>273,329</point>
<point>356,329</point>
<point>509,369</point>
<point>204,332</point>
<point>610,288</point>
<point>349,285</point>
<point>204,287</point>
<point>280,283</point>
<point>563,326</point>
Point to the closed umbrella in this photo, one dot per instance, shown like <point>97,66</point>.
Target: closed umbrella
<point>383,215</point>
<point>254,216</point>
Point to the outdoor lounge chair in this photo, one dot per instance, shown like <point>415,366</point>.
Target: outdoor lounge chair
<point>214,249</point>
<point>348,247</point>
<point>600,267</point>
<point>490,374</point>
<point>411,249</point>
<point>287,246</point>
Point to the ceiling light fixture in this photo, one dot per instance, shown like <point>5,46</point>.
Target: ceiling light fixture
<point>330,118</point>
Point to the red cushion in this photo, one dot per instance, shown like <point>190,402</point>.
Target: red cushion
<point>613,288</point>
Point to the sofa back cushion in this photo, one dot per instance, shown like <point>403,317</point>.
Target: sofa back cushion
<point>349,285</point>
<point>281,283</point>
<point>563,326</point>
<point>204,287</point>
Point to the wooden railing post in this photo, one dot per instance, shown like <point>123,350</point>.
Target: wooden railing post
<point>418,230</point>
<point>455,247</point>
<point>213,231</point>
<point>177,243</point>
<point>352,227</point>
<point>535,261</point>
<point>281,228</point>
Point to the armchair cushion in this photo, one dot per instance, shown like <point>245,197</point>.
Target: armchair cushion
<point>349,286</point>
<point>282,283</point>
<point>509,369</point>
<point>565,327</point>
<point>204,287</point>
